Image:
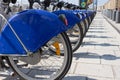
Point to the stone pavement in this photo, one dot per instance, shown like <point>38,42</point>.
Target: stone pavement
<point>113,23</point>
<point>98,58</point>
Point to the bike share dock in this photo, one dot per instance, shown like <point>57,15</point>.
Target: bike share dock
<point>98,58</point>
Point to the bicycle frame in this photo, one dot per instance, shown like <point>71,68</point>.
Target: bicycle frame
<point>31,29</point>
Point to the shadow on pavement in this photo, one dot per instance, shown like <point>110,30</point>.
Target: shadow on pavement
<point>95,55</point>
<point>96,32</point>
<point>66,78</point>
<point>77,78</point>
<point>90,43</point>
<point>94,36</point>
<point>99,28</point>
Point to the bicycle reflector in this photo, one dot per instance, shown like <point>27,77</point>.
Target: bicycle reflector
<point>57,47</point>
<point>63,18</point>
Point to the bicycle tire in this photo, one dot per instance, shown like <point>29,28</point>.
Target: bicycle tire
<point>76,43</point>
<point>63,70</point>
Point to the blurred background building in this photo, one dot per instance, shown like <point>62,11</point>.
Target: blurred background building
<point>111,4</point>
<point>111,9</point>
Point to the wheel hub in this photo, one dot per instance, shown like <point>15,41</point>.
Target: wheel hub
<point>32,59</point>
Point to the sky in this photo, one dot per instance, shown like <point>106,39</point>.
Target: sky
<point>100,2</point>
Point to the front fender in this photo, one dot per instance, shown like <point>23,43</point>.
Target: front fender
<point>34,28</point>
<point>71,17</point>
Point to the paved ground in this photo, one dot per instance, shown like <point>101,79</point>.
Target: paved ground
<point>99,56</point>
<point>114,24</point>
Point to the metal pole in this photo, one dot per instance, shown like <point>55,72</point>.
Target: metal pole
<point>96,4</point>
<point>93,5</point>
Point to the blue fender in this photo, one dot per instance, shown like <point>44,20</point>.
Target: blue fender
<point>34,28</point>
<point>71,17</point>
<point>81,17</point>
<point>88,12</point>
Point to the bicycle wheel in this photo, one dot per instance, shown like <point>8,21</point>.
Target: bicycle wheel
<point>89,20</point>
<point>83,26</point>
<point>76,36</point>
<point>44,64</point>
<point>87,24</point>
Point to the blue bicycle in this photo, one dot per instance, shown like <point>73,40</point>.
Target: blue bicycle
<point>25,40</point>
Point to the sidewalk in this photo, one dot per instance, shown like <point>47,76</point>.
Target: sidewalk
<point>98,58</point>
<point>113,23</point>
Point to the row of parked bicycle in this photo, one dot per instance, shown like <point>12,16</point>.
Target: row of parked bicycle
<point>38,44</point>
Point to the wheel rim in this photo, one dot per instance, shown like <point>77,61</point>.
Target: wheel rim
<point>87,24</point>
<point>83,27</point>
<point>49,62</point>
<point>75,38</point>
